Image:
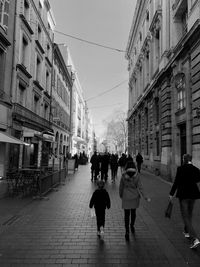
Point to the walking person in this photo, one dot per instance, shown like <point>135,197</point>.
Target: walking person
<point>113,166</point>
<point>130,191</point>
<point>100,200</point>
<point>139,160</point>
<point>187,191</point>
<point>95,168</point>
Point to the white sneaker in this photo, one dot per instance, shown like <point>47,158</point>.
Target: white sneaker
<point>186,235</point>
<point>101,231</point>
<point>195,243</point>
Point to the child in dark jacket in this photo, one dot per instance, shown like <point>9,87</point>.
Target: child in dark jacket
<point>100,200</point>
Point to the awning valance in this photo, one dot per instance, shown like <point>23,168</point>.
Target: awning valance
<point>5,138</point>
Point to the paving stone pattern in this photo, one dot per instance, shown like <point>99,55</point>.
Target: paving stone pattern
<point>59,231</point>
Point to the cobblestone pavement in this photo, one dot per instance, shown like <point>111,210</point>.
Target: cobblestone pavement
<point>59,231</point>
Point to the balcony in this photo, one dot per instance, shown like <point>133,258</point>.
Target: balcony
<point>25,115</point>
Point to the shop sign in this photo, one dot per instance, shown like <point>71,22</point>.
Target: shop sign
<point>49,138</point>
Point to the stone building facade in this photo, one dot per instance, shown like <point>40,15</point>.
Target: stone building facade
<point>7,15</point>
<point>31,83</point>
<point>61,105</point>
<point>163,54</point>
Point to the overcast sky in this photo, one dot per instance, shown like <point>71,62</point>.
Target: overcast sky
<point>106,22</point>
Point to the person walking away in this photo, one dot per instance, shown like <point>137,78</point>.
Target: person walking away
<point>94,166</point>
<point>139,160</point>
<point>130,191</point>
<point>100,200</point>
<point>122,162</point>
<point>113,167</point>
<point>104,166</point>
<point>187,191</point>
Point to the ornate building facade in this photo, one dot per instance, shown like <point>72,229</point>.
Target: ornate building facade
<point>163,54</point>
<point>31,82</point>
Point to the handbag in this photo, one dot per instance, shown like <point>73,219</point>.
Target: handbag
<point>168,211</point>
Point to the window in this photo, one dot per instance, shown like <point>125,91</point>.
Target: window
<point>46,111</point>
<point>47,81</point>
<point>21,96</point>
<point>38,69</point>
<point>2,68</point>
<point>4,13</point>
<point>26,10</point>
<point>181,99</point>
<point>157,144</point>
<point>24,52</point>
<point>146,119</point>
<point>147,145</point>
<point>36,107</point>
<point>40,9</point>
<point>157,107</point>
<point>39,34</point>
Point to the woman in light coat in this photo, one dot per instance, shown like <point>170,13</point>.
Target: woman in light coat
<point>130,191</point>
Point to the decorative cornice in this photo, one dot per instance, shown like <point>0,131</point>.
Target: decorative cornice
<point>39,46</point>
<point>26,24</point>
<point>156,21</point>
<point>37,83</point>
<point>23,69</point>
<point>4,40</point>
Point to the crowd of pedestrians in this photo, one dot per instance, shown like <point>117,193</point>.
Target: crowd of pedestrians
<point>131,190</point>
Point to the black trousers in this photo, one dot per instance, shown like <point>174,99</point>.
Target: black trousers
<point>127,213</point>
<point>100,216</point>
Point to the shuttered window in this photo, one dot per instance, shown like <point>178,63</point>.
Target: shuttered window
<point>4,13</point>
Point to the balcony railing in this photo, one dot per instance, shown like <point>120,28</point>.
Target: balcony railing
<point>23,114</point>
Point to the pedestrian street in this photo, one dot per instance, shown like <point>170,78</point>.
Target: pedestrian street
<point>59,231</point>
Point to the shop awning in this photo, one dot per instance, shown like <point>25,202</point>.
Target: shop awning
<point>5,138</point>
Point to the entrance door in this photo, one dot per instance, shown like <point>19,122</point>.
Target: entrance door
<point>183,148</point>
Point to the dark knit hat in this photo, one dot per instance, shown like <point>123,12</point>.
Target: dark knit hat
<point>130,165</point>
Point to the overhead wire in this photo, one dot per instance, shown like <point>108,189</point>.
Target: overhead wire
<point>81,39</point>
<point>91,42</point>
<point>107,91</point>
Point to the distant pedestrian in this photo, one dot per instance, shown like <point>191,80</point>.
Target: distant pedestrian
<point>100,200</point>
<point>187,191</point>
<point>130,191</point>
<point>139,160</point>
<point>113,166</point>
<point>95,166</point>
<point>104,166</point>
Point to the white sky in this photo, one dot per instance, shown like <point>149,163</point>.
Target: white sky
<point>106,22</point>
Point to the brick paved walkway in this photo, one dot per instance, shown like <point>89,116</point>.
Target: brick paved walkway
<point>60,232</point>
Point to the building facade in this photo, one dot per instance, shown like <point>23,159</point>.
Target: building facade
<point>31,83</point>
<point>61,106</point>
<point>7,16</point>
<point>163,54</point>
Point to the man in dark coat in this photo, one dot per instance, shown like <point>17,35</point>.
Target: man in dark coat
<point>105,159</point>
<point>95,166</point>
<point>139,160</point>
<point>187,191</point>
